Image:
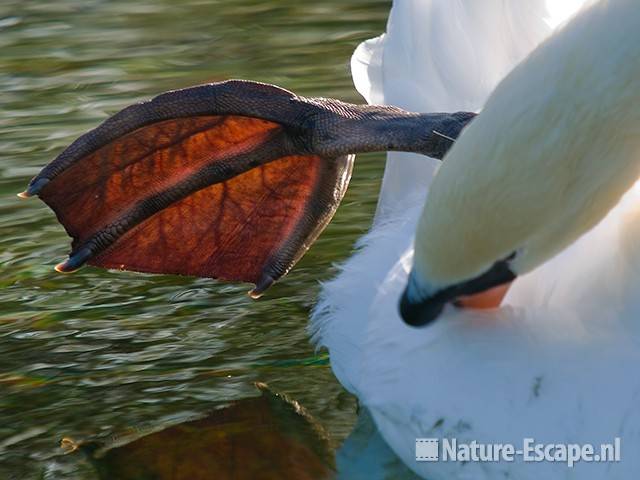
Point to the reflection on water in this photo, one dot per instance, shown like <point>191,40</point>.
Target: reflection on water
<point>97,353</point>
<point>267,437</point>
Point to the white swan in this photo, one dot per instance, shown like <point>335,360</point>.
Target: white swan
<point>236,179</point>
<point>556,362</point>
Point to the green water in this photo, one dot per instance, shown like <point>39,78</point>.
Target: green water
<point>99,353</point>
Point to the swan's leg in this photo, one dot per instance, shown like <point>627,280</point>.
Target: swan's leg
<point>232,180</point>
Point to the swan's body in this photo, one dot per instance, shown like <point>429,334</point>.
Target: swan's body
<point>555,364</point>
<point>557,361</point>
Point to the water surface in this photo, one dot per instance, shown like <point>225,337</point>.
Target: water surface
<point>97,353</point>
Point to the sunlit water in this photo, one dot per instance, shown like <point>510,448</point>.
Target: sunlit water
<point>97,353</point>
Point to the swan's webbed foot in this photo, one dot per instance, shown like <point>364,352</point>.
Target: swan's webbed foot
<point>232,180</point>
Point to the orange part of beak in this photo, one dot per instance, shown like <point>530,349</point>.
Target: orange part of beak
<point>491,298</point>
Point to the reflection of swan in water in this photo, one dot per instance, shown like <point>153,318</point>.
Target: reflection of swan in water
<point>265,437</point>
<point>551,154</point>
<point>365,455</point>
<point>257,438</point>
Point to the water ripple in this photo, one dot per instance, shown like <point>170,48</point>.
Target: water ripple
<point>96,353</point>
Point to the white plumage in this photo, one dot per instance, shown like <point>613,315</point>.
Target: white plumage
<point>557,361</point>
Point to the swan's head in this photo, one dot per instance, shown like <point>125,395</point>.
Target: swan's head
<point>555,148</point>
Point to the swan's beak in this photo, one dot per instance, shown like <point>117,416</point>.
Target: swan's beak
<point>421,304</point>
<point>486,300</point>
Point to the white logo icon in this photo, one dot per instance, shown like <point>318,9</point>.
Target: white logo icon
<point>426,449</point>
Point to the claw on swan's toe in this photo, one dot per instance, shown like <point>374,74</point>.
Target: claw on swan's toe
<point>74,262</point>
